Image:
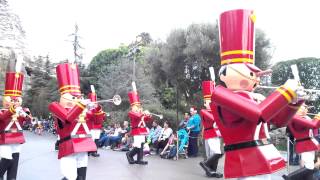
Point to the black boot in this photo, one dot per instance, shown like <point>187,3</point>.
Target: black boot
<point>82,172</point>
<point>140,156</point>
<point>13,169</point>
<point>130,155</point>
<point>297,175</point>
<point>56,145</point>
<point>210,166</point>
<point>214,167</point>
<point>4,165</point>
<point>95,153</point>
<point>64,178</point>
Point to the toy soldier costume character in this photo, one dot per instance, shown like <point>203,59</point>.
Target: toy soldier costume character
<point>211,134</point>
<point>301,128</point>
<point>12,117</point>
<point>95,124</point>
<point>138,120</point>
<point>72,114</point>
<point>242,115</point>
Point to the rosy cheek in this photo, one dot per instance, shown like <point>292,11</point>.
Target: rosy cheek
<point>69,104</point>
<point>244,84</point>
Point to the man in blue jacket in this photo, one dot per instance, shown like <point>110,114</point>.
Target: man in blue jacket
<point>194,127</point>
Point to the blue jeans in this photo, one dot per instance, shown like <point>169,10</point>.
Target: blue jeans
<point>112,139</point>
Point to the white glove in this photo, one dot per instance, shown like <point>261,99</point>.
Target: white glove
<point>85,101</point>
<point>297,88</point>
<point>20,112</point>
<point>301,94</point>
<point>146,112</point>
<point>292,84</point>
<point>91,105</point>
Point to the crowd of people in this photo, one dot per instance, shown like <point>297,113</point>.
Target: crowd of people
<point>160,140</point>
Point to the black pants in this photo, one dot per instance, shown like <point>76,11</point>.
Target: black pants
<point>161,144</point>
<point>193,143</point>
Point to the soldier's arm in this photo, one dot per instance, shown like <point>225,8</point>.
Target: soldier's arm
<point>301,122</point>
<point>65,115</point>
<point>248,109</point>
<point>98,115</point>
<point>206,115</point>
<point>283,117</point>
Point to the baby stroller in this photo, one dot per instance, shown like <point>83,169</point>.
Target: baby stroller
<point>177,146</point>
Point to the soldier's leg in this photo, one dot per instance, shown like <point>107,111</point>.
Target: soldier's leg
<point>82,163</point>
<point>301,173</point>
<point>140,156</point>
<point>4,165</point>
<point>6,159</point>
<point>132,153</point>
<point>13,169</point>
<point>68,166</point>
<point>259,177</point>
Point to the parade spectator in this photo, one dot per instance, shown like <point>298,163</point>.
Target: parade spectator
<point>184,122</point>
<point>39,128</point>
<point>154,133</point>
<point>106,132</point>
<point>194,127</point>
<point>163,139</point>
<point>113,138</point>
<point>125,137</point>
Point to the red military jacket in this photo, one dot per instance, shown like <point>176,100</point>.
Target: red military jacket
<point>96,117</point>
<point>239,119</point>
<point>67,122</point>
<point>138,120</point>
<point>14,135</point>
<point>301,130</point>
<point>209,129</point>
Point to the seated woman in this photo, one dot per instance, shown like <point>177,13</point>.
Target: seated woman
<point>154,133</point>
<point>114,137</point>
<point>163,139</point>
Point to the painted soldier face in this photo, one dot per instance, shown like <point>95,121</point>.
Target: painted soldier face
<point>239,77</point>
<point>207,103</point>
<point>11,101</point>
<point>67,100</point>
<point>303,110</point>
<point>136,108</point>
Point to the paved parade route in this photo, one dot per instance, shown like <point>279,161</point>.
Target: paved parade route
<point>39,162</point>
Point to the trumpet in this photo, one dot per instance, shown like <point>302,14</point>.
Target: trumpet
<point>116,100</point>
<point>153,114</point>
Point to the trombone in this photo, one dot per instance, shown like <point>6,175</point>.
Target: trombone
<point>153,114</point>
<point>116,100</point>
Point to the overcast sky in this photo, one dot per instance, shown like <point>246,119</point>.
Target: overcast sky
<point>292,26</point>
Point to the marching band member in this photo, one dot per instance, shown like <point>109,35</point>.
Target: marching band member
<point>302,129</point>
<point>138,120</point>
<point>71,114</point>
<point>241,118</point>
<point>211,134</point>
<point>11,118</point>
<point>95,123</point>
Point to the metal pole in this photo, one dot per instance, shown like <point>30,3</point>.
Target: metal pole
<point>288,155</point>
<point>177,104</point>
<point>134,69</point>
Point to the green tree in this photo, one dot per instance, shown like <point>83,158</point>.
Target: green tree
<point>182,62</point>
<point>42,88</point>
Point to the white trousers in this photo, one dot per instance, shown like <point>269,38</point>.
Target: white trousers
<point>138,139</point>
<point>260,177</point>
<point>95,133</point>
<point>308,159</point>
<point>6,150</point>
<point>69,164</point>
<point>212,146</point>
